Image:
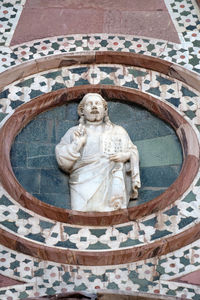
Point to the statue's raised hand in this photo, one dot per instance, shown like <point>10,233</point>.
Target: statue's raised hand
<point>80,137</point>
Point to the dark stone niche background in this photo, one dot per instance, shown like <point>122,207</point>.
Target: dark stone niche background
<point>33,152</point>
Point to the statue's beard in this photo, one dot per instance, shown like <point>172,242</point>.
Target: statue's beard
<point>95,116</point>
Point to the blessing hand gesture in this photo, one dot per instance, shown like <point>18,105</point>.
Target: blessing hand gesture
<point>80,137</point>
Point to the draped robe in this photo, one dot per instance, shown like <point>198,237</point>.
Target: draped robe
<point>96,182</point>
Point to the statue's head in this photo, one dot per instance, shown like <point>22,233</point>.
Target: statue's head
<point>93,108</point>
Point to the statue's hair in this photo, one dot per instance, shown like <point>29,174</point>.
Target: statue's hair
<point>82,103</point>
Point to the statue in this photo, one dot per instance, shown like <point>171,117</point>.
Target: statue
<point>102,161</point>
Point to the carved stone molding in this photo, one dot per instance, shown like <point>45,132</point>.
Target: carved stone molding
<point>25,113</point>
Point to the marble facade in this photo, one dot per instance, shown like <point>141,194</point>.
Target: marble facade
<point>147,248</point>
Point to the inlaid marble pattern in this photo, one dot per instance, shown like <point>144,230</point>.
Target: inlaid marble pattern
<point>153,275</point>
<point>9,15</point>
<point>151,228</point>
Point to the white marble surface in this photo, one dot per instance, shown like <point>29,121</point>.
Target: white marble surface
<point>102,161</point>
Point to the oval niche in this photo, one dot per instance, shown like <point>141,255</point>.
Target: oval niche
<point>34,179</point>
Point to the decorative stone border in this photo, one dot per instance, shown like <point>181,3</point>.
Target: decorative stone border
<point>100,258</point>
<point>28,111</point>
<point>100,57</point>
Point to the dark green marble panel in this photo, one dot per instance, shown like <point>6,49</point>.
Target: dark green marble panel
<point>37,149</point>
<point>45,161</point>
<point>161,176</point>
<point>38,130</point>
<point>57,199</point>
<point>62,127</point>
<point>54,114</point>
<point>53,181</point>
<point>160,151</point>
<point>28,178</point>
<point>19,155</point>
<point>71,111</point>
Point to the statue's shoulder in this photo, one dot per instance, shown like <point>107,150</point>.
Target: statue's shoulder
<point>117,129</point>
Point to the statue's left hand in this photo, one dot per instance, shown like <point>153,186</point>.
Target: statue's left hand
<point>120,157</point>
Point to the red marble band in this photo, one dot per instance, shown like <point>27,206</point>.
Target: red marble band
<point>25,113</point>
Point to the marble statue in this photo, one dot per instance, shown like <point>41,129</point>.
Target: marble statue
<point>102,161</point>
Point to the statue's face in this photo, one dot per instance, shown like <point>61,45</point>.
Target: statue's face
<point>94,109</point>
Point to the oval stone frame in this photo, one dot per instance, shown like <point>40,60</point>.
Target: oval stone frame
<point>26,112</point>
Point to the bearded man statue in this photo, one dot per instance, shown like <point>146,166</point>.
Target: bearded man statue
<point>102,161</point>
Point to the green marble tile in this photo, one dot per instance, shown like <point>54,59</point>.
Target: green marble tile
<point>129,243</point>
<point>15,104</point>
<point>53,75</point>
<point>57,113</point>
<point>146,195</point>
<point>186,221</point>
<point>71,230</point>
<point>107,81</point>
<point>186,92</point>
<point>98,232</point>
<point>174,101</point>
<point>154,91</point>
<point>98,246</point>
<point>125,229</point>
<point>160,151</point>
<point>25,83</point>
<point>61,200</point>
<point>23,214</point>
<point>35,93</point>
<point>131,84</point>
<point>71,111</point>
<point>50,291</point>
<point>18,155</point>
<point>79,70</point>
<point>38,130</point>
<point>157,177</point>
<point>45,161</point>
<point>5,201</point>
<point>171,293</point>
<point>46,224</point>
<point>62,127</point>
<point>185,261</point>
<point>10,225</point>
<point>112,286</point>
<point>23,295</point>
<point>37,149</point>
<point>66,244</point>
<point>163,81</point>
<point>28,178</point>
<point>81,287</point>
<point>172,211</point>
<point>2,115</point>
<point>36,237</point>
<point>53,181</point>
<point>150,222</point>
<point>190,114</point>
<point>108,70</point>
<point>149,128</point>
<point>159,234</point>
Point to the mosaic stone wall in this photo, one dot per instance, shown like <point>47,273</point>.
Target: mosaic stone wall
<point>158,275</point>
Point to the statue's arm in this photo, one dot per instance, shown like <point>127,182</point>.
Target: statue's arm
<point>67,152</point>
<point>135,171</point>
